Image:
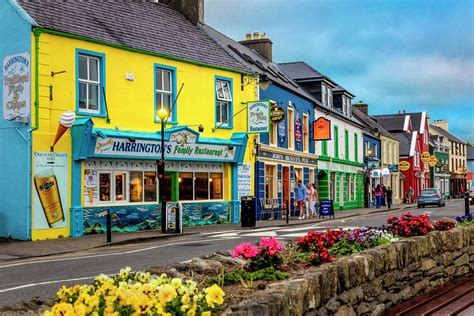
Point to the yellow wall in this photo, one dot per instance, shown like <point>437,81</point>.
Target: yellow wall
<point>130,103</point>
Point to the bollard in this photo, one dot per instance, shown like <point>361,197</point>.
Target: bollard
<point>466,203</point>
<point>109,227</point>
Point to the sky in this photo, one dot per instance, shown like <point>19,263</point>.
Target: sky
<point>415,55</point>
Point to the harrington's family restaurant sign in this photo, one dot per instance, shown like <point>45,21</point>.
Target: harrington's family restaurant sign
<point>258,116</point>
<point>16,86</point>
<point>181,145</point>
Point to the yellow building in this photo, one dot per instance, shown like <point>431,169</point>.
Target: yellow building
<point>112,67</point>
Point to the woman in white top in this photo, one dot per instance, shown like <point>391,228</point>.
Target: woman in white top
<point>309,200</point>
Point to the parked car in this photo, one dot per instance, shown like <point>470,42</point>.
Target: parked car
<point>431,196</point>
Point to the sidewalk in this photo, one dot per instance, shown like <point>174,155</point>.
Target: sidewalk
<point>28,249</point>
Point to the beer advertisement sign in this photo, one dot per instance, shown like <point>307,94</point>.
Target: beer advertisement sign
<point>404,165</point>
<point>433,161</point>
<point>322,129</point>
<point>425,157</point>
<point>277,114</point>
<point>51,190</point>
<point>258,117</point>
<point>16,87</point>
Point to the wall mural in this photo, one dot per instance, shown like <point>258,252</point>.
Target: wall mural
<point>129,218</point>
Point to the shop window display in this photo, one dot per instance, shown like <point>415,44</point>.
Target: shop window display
<point>104,186</point>
<point>150,186</point>
<point>216,186</point>
<point>186,186</point>
<point>201,184</point>
<point>120,185</point>
<point>136,186</point>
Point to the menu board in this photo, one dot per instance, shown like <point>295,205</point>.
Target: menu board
<point>91,192</point>
<point>244,179</point>
<point>326,208</point>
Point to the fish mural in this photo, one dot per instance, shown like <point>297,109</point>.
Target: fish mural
<point>132,218</point>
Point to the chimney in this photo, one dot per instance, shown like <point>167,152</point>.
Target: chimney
<point>260,44</point>
<point>193,10</point>
<point>363,107</point>
<point>441,123</point>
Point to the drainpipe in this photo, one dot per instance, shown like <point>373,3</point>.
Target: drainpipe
<point>29,211</point>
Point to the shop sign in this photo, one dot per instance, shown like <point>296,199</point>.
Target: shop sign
<point>277,114</point>
<point>16,87</point>
<point>91,192</point>
<point>51,187</point>
<point>298,129</point>
<point>287,158</point>
<point>385,172</point>
<point>425,157</point>
<point>177,148</point>
<point>404,165</point>
<point>282,132</point>
<point>322,129</point>
<point>393,168</point>
<point>244,172</point>
<point>258,117</point>
<point>373,164</point>
<point>432,162</point>
<point>376,173</point>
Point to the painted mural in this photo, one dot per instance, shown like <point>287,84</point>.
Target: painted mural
<point>130,218</point>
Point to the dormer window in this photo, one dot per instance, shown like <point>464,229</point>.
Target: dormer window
<point>326,95</point>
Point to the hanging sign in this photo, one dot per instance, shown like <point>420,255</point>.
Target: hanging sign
<point>376,173</point>
<point>322,129</point>
<point>432,162</point>
<point>385,172</point>
<point>16,87</point>
<point>277,114</point>
<point>425,157</point>
<point>298,129</point>
<point>404,165</point>
<point>258,117</point>
<point>51,184</point>
<point>282,132</point>
<point>393,168</point>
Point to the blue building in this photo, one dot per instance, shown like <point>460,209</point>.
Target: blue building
<point>285,154</point>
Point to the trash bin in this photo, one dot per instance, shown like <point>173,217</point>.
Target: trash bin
<point>248,211</point>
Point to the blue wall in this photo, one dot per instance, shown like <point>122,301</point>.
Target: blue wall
<point>15,214</point>
<point>372,141</point>
<point>282,98</point>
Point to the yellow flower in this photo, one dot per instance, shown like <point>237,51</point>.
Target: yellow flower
<point>124,273</point>
<point>206,313</point>
<point>185,300</point>
<point>63,309</point>
<point>191,312</point>
<point>142,304</point>
<point>146,289</point>
<point>167,294</point>
<point>214,295</point>
<point>80,310</point>
<point>176,282</point>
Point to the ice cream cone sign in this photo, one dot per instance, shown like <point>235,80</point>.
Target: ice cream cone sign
<point>65,122</point>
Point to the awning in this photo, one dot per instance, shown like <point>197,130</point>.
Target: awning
<point>180,143</point>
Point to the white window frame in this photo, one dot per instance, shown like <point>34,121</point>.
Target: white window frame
<point>89,82</point>
<point>223,99</point>
<point>208,184</point>
<point>163,92</point>
<point>329,102</point>
<point>324,93</point>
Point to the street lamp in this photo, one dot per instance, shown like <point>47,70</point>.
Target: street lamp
<point>163,116</point>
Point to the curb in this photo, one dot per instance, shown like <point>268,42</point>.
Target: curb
<point>143,239</point>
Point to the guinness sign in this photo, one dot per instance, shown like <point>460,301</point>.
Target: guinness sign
<point>277,114</point>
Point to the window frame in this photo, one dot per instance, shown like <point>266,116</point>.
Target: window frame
<point>273,184</point>
<point>273,132</point>
<point>230,111</point>
<point>173,86</point>
<point>356,147</point>
<point>290,122</point>
<point>336,142</point>
<point>102,84</point>
<point>305,133</point>
<point>222,173</point>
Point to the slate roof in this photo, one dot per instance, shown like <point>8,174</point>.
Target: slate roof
<point>391,123</point>
<point>415,117</point>
<point>143,25</point>
<point>371,124</point>
<point>405,142</point>
<point>255,62</point>
<point>446,134</point>
<point>470,152</point>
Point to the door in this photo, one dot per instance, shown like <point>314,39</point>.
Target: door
<point>286,188</point>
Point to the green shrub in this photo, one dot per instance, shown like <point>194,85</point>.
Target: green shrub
<point>267,274</point>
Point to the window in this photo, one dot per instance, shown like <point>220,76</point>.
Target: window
<point>186,186</point>
<point>89,82</point>
<point>150,186</point>
<point>336,142</point>
<point>325,148</point>
<point>136,186</point>
<point>324,94</point>
<point>201,186</point>
<point>332,186</point>
<point>329,101</point>
<point>368,150</point>
<point>346,105</point>
<point>291,129</point>
<point>348,187</point>
<point>165,90</point>
<point>346,144</point>
<point>215,186</point>
<point>298,174</point>
<point>353,187</point>
<point>356,147</point>
<point>120,186</point>
<point>305,133</point>
<point>270,182</point>
<point>105,182</point>
<point>311,175</point>
<point>223,103</point>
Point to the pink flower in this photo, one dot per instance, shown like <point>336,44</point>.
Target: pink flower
<point>246,250</point>
<point>271,244</point>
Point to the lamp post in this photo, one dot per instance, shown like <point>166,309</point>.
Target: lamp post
<point>163,115</point>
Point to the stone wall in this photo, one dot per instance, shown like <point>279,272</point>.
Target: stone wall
<point>369,282</point>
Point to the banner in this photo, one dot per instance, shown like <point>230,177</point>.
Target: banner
<point>322,129</point>
<point>258,117</point>
<point>51,190</point>
<point>16,87</point>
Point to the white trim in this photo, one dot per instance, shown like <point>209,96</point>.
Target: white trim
<point>413,143</point>
<point>423,122</point>
<point>22,12</point>
<point>405,124</point>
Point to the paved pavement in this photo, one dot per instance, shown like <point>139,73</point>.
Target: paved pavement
<point>40,248</point>
<point>23,278</point>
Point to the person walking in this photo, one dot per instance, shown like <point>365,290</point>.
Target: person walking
<point>309,200</point>
<point>378,196</point>
<point>410,194</point>
<point>389,197</point>
<point>300,197</point>
<point>384,194</point>
<point>316,200</point>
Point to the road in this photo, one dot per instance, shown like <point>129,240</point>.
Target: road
<point>22,279</point>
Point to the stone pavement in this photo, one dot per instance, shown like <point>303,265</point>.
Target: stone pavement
<point>28,249</point>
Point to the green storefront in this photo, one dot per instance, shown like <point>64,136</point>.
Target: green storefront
<point>341,181</point>
<point>440,172</point>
